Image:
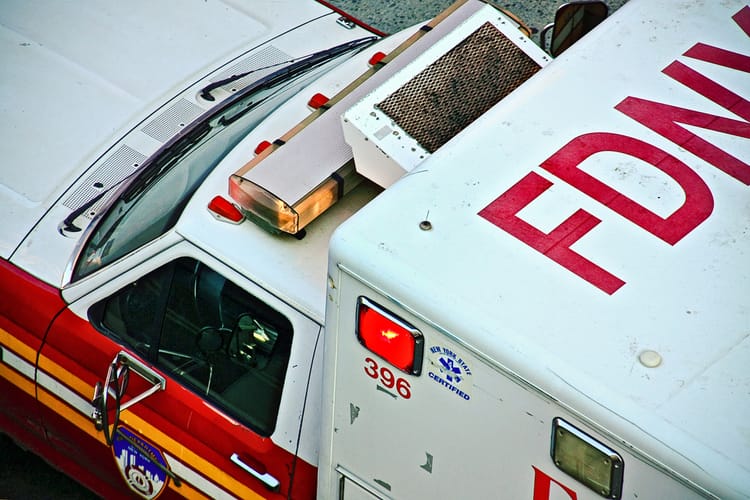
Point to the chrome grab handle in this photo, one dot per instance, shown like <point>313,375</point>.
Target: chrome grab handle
<point>267,479</point>
<point>115,385</point>
<point>158,383</point>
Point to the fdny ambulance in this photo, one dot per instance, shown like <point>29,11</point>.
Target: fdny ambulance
<point>315,262</point>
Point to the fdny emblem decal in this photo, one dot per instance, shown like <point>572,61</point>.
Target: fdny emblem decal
<point>137,460</point>
<point>449,370</point>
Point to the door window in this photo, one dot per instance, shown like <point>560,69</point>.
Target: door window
<point>209,334</point>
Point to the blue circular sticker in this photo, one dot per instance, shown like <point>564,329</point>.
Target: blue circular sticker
<point>450,370</point>
<point>137,460</point>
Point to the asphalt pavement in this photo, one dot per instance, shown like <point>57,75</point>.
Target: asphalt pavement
<point>23,476</point>
<point>390,16</point>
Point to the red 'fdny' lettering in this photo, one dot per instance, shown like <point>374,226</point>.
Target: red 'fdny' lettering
<point>661,118</point>
<point>698,200</point>
<point>555,244</point>
<point>664,119</point>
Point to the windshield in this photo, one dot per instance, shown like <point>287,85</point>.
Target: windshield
<point>152,202</point>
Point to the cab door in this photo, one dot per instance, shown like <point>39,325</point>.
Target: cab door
<point>27,307</point>
<point>187,379</point>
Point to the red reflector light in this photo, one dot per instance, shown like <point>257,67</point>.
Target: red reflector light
<point>376,58</point>
<point>224,209</point>
<point>318,101</point>
<point>262,146</point>
<point>388,336</point>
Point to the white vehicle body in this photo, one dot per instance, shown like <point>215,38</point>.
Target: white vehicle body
<point>95,97</point>
<point>579,262</point>
<point>530,252</point>
<point>109,102</point>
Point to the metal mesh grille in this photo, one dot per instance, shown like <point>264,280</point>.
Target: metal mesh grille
<point>458,87</point>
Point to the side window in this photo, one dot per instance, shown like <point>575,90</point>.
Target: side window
<point>207,333</point>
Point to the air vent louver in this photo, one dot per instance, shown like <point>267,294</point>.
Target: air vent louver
<point>172,120</point>
<point>123,162</point>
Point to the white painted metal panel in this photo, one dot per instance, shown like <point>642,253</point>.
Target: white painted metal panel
<point>475,430</point>
<point>549,323</point>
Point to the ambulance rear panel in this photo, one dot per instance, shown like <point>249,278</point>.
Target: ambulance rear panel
<point>465,426</point>
<point>570,274</point>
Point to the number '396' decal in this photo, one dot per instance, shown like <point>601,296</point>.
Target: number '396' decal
<point>387,378</point>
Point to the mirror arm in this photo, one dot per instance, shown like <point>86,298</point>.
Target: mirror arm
<point>543,36</point>
<point>118,370</point>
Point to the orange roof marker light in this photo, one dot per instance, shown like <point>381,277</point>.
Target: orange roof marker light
<point>225,210</point>
<point>262,146</point>
<point>318,101</point>
<point>376,58</point>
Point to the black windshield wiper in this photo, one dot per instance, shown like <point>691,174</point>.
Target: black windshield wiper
<point>166,160</point>
<point>295,65</point>
<point>67,225</point>
<point>140,178</point>
<point>148,172</point>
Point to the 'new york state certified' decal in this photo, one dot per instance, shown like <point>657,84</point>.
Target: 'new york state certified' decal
<point>138,464</point>
<point>451,371</point>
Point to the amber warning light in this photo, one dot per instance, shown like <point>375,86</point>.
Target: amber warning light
<point>388,336</point>
<point>276,214</point>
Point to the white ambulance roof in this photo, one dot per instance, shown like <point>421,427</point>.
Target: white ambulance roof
<point>686,301</point>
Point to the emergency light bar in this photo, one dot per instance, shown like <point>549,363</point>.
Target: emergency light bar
<point>296,178</point>
<point>390,337</point>
<point>291,216</point>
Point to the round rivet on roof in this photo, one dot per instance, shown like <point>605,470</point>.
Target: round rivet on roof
<point>425,225</point>
<point>650,359</point>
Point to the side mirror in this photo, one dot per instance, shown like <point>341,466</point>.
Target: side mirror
<point>572,21</point>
